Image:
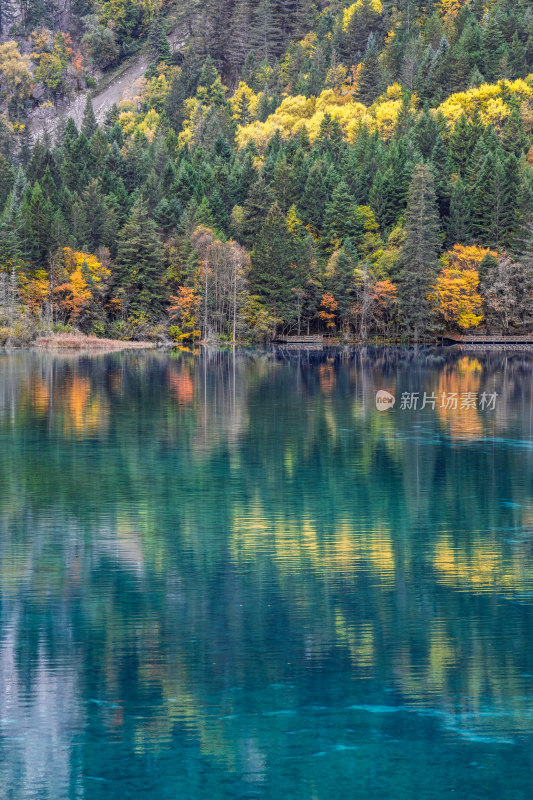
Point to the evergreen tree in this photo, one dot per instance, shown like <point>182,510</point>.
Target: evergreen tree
<point>25,146</point>
<point>319,184</point>
<point>93,213</point>
<point>49,187</point>
<point>493,48</point>
<point>59,230</point>
<point>240,40</point>
<point>459,227</point>
<point>12,233</point>
<point>344,280</point>
<point>89,125</point>
<point>441,170</point>
<point>340,219</point>
<point>283,185</point>
<point>7,178</point>
<point>461,144</point>
<point>157,46</point>
<point>419,257</point>
<point>37,214</point>
<point>79,164</point>
<point>517,58</point>
<point>495,201</point>
<point>139,266</point>
<point>370,79</point>
<point>255,210</point>
<point>273,275</point>
<point>266,34</point>
<point>514,138</point>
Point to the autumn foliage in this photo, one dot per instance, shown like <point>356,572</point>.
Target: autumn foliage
<point>328,309</point>
<point>456,296</point>
<point>82,274</point>
<point>183,312</point>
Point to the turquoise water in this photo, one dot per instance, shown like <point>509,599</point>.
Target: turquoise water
<point>233,577</point>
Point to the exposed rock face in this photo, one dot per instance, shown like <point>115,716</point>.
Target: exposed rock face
<point>126,85</point>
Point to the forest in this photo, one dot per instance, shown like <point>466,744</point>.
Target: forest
<point>355,169</point>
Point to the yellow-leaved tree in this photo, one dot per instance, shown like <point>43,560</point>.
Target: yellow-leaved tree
<point>15,74</point>
<point>492,101</point>
<point>244,104</point>
<point>82,276</point>
<point>456,298</point>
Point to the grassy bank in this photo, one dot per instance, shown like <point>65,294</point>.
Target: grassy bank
<point>78,341</point>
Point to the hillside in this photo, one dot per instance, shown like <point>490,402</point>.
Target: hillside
<point>353,168</point>
<point>116,85</point>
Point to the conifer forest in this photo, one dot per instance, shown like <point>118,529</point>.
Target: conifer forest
<point>276,167</point>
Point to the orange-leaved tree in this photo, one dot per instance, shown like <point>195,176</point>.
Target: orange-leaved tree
<point>328,309</point>
<point>384,296</point>
<point>184,311</point>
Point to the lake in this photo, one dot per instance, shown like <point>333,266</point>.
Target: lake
<point>234,577</point>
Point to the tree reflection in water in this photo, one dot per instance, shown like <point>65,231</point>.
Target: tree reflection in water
<point>224,573</point>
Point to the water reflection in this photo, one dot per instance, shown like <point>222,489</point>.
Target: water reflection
<point>233,575</point>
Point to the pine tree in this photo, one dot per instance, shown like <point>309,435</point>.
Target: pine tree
<point>93,214</point>
<point>370,81</point>
<point>282,184</point>
<point>475,79</point>
<point>483,198</point>
<point>139,266</point>
<point>158,48</point>
<point>266,34</point>
<point>89,125</point>
<point>495,200</point>
<point>239,44</point>
<point>479,154</point>
<point>514,138</point>
<point>49,187</point>
<point>440,77</point>
<point>37,214</point>
<point>459,227</point>
<point>493,48</point>
<point>388,194</point>
<point>41,158</point>
<point>460,144</point>
<point>25,146</point>
<point>7,178</point>
<point>59,230</point>
<point>425,132</point>
<point>312,203</point>
<point>340,220</point>
<point>419,257</point>
<point>352,41</point>
<point>441,169</point>
<point>272,275</point>
<point>342,280</point>
<point>204,215</point>
<point>255,209</point>
<point>517,58</point>
<point>78,165</point>
<point>70,134</point>
<point>12,235</point>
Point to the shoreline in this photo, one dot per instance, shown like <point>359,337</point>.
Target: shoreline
<point>70,341</point>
